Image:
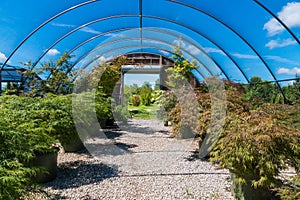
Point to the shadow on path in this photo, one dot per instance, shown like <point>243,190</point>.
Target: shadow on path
<point>195,156</point>
<point>79,173</point>
<point>141,126</point>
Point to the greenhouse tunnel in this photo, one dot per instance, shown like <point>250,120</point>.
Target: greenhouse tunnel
<point>232,40</point>
<point>150,99</point>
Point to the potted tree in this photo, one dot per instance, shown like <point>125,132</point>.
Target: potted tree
<point>255,147</point>
<point>40,146</point>
<point>56,113</point>
<point>44,156</point>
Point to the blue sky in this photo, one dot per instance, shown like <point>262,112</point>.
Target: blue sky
<point>203,38</point>
<point>140,79</point>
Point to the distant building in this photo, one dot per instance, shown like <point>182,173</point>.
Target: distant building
<point>13,74</point>
<point>147,63</point>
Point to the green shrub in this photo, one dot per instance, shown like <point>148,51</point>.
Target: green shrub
<point>103,105</point>
<point>167,100</point>
<point>52,114</point>
<point>22,138</point>
<point>14,179</point>
<point>254,145</point>
<point>136,100</point>
<point>121,113</point>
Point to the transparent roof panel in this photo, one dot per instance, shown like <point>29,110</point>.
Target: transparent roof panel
<point>237,39</point>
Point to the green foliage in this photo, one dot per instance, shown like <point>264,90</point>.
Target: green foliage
<point>51,114</point>
<point>59,81</point>
<point>136,100</point>
<point>12,89</point>
<point>102,80</point>
<point>290,190</point>
<point>102,105</point>
<point>258,139</point>
<point>121,113</point>
<point>259,91</point>
<point>292,92</point>
<point>23,136</point>
<point>257,142</point>
<point>254,145</point>
<point>107,76</point>
<point>181,72</point>
<point>14,179</point>
<point>145,93</point>
<point>167,100</point>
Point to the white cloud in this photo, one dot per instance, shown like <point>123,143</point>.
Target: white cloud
<point>281,59</point>
<point>288,71</point>
<point>280,43</point>
<point>2,57</point>
<point>246,56</point>
<point>289,14</point>
<point>53,52</point>
<point>213,50</point>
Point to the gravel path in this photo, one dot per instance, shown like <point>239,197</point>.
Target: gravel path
<point>140,161</point>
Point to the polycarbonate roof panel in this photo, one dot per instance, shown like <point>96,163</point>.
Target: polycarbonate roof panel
<point>231,38</point>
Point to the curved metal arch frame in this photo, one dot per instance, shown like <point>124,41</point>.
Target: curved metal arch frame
<point>200,33</point>
<point>279,20</point>
<point>137,47</point>
<point>78,28</point>
<point>128,39</point>
<point>148,39</point>
<point>237,34</point>
<point>165,32</point>
<point>97,36</point>
<point>92,1</point>
<point>42,25</point>
<point>154,30</point>
<point>129,15</point>
<point>144,47</point>
<point>153,17</point>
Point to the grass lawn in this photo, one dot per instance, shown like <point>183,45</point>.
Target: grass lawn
<point>143,112</point>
